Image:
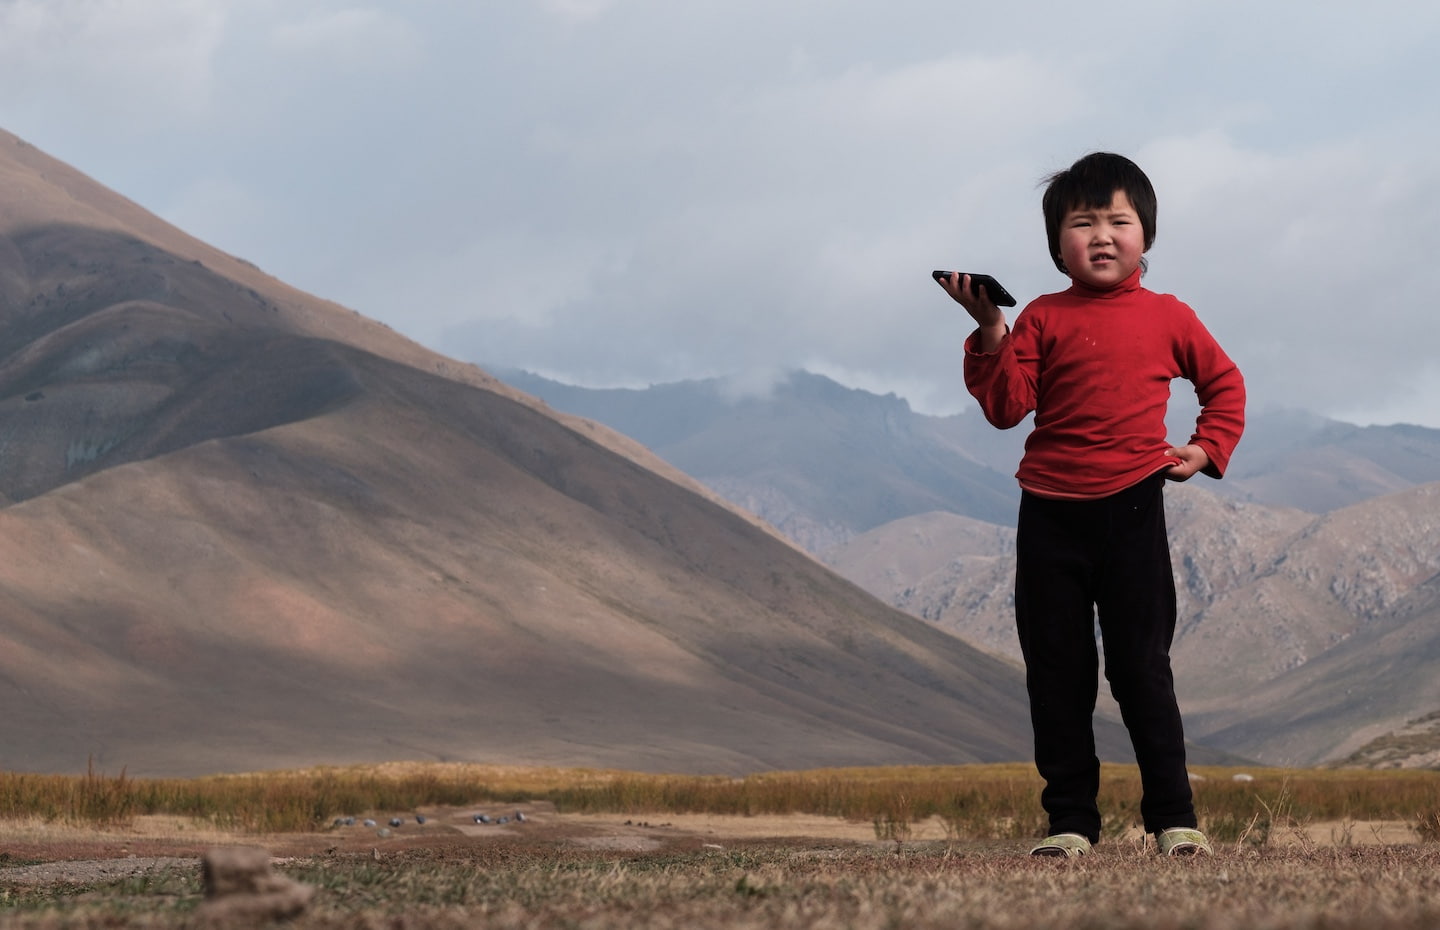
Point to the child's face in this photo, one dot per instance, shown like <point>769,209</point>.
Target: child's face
<point>1102,247</point>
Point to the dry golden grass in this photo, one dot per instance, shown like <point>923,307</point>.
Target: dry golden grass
<point>974,801</point>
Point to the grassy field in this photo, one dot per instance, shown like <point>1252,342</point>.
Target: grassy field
<point>976,802</point>
<point>1271,871</point>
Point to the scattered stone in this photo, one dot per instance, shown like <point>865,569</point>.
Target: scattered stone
<point>239,886</point>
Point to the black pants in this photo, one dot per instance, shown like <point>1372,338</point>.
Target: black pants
<point>1110,558</point>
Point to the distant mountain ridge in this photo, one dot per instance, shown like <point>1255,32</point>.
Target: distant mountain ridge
<point>803,452</point>
<point>819,461</point>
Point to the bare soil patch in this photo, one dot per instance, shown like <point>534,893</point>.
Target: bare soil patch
<point>33,852</point>
<point>57,852</point>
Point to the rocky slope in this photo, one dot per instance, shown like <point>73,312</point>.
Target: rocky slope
<point>1278,609</point>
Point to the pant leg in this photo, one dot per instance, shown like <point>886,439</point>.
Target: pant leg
<point>1055,619</point>
<point>1136,605</point>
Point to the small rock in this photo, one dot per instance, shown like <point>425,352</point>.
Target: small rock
<point>239,886</point>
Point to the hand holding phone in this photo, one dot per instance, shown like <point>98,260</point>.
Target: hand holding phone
<point>993,289</point>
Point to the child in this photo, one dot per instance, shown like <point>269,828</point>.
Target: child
<point>1094,363</point>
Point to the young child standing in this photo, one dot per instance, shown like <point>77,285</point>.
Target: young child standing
<point>1094,364</point>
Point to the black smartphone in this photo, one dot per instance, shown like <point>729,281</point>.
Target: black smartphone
<point>997,293</point>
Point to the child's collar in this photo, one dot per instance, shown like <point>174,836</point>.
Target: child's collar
<point>1128,286</point>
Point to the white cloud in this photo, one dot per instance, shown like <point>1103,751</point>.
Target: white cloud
<point>577,11</point>
<point>752,384</point>
<point>975,99</point>
<point>629,192</point>
<point>791,222</point>
<point>353,38</point>
<point>1314,264</point>
<point>114,60</point>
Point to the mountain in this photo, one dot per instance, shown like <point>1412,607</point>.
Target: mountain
<point>1295,459</point>
<point>1317,541</point>
<point>1414,745</point>
<point>824,463</point>
<point>245,528</point>
<point>1234,586</point>
<point>819,461</point>
<point>1380,563</point>
<point>1299,637</point>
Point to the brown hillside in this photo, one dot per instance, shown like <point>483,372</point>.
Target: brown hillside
<point>248,528</point>
<point>1382,559</point>
<point>956,572</point>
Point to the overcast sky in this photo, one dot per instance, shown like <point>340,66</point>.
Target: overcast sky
<point>623,192</point>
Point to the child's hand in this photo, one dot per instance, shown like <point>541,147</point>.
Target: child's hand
<point>1188,461</point>
<point>978,304</point>
<point>973,298</point>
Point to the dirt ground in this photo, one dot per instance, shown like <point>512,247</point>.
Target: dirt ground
<point>37,853</point>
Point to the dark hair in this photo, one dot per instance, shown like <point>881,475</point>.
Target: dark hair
<point>1090,184</point>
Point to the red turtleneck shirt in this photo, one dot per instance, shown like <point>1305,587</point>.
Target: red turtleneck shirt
<point>1095,367</point>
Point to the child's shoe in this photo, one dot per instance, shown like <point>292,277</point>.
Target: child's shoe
<point>1063,845</point>
<point>1183,841</point>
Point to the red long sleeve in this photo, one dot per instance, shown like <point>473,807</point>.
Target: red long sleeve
<point>1095,367</point>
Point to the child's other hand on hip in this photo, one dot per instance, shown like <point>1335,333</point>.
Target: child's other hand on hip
<point>1188,460</point>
